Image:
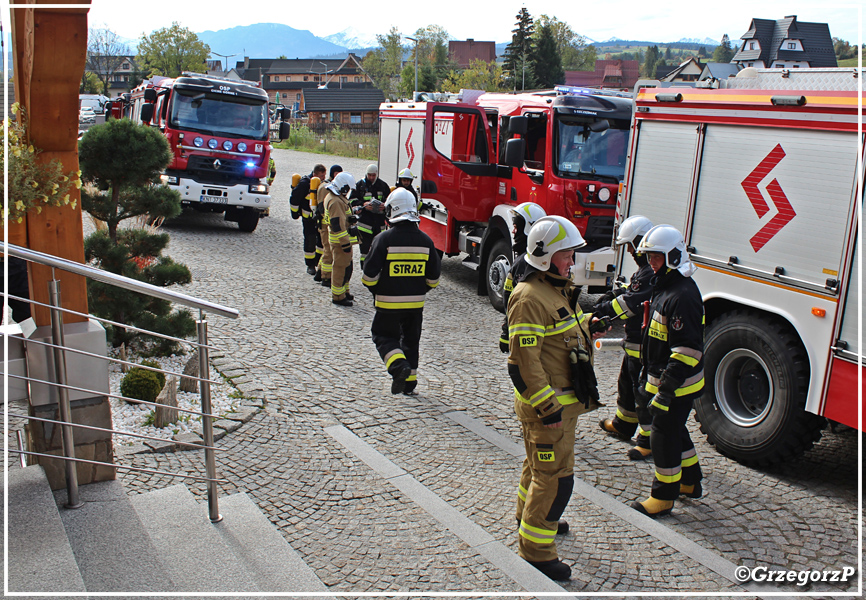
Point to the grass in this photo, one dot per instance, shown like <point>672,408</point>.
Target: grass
<point>339,142</point>
<point>848,62</point>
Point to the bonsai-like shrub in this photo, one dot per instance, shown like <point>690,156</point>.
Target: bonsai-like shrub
<point>140,384</point>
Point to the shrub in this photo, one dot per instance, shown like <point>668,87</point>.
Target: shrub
<point>155,365</point>
<point>140,384</point>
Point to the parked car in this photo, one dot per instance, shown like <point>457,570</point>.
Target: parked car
<point>86,115</point>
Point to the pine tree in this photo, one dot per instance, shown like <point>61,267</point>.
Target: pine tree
<point>122,161</point>
<point>546,60</point>
<point>649,65</point>
<point>517,64</point>
<point>723,52</point>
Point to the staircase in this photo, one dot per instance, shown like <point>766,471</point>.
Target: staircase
<point>161,541</point>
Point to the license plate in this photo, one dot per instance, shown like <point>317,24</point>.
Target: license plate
<point>215,199</point>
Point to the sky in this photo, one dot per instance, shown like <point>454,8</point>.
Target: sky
<point>599,20</point>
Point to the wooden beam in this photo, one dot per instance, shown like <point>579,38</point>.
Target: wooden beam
<point>50,49</point>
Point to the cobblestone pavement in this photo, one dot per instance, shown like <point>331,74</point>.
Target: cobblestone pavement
<point>308,366</point>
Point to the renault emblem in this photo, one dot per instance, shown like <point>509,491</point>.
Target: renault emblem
<point>217,164</point>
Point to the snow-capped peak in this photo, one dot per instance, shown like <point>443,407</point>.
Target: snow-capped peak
<point>353,38</point>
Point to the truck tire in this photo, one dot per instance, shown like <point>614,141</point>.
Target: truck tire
<point>248,220</point>
<point>498,266</point>
<point>757,377</point>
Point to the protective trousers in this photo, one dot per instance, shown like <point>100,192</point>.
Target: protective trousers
<point>397,335</point>
<point>326,262</point>
<point>341,272</point>
<point>546,483</point>
<point>676,460</point>
<point>365,239</point>
<point>626,419</point>
<point>310,234</point>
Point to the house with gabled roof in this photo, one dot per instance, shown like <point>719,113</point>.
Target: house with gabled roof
<point>618,74</point>
<point>786,44</point>
<point>688,70</point>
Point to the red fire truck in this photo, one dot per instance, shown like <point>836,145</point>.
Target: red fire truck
<point>218,132</point>
<point>761,175</point>
<point>481,155</point>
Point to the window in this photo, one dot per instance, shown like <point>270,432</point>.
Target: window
<point>358,79</point>
<point>315,78</point>
<point>306,77</point>
<point>792,45</point>
<point>298,97</point>
<point>276,77</point>
<point>780,66</point>
<point>125,66</point>
<point>460,136</point>
<point>355,118</point>
<point>344,80</point>
<point>751,45</point>
<point>334,117</point>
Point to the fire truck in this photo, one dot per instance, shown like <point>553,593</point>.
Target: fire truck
<point>480,154</point>
<point>760,172</point>
<point>218,132</point>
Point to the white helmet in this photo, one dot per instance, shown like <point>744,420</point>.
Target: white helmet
<point>632,230</point>
<point>667,240</point>
<point>405,174</point>
<point>372,169</point>
<point>530,212</point>
<point>550,235</point>
<point>342,183</point>
<point>401,206</point>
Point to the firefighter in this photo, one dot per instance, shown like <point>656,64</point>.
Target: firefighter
<point>626,303</point>
<point>368,202</point>
<point>673,368</point>
<point>523,217</point>
<point>405,178</point>
<point>550,365</point>
<point>326,259</point>
<point>272,170</point>
<point>300,204</point>
<point>340,236</point>
<point>402,267</point>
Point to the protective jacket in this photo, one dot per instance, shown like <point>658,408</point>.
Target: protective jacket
<point>337,208</point>
<point>543,330</point>
<point>401,267</point>
<point>368,221</point>
<point>673,343</point>
<point>628,306</point>
<point>298,201</point>
<point>517,273</point>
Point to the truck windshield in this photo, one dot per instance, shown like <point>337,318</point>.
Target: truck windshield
<point>219,115</point>
<point>585,154</point>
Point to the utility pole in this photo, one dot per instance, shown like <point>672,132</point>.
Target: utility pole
<point>416,63</point>
<point>225,56</point>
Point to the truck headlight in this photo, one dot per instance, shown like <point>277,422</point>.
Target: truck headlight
<point>604,194</point>
<point>259,188</point>
<point>198,142</point>
<point>169,179</point>
<point>212,144</point>
<point>242,147</point>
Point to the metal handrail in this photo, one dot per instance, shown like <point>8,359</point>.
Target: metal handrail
<point>117,360</point>
<point>110,322</point>
<point>115,431</point>
<point>59,352</point>
<point>98,393</point>
<point>116,466</point>
<point>119,281</point>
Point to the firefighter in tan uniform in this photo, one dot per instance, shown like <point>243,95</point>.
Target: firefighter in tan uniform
<point>340,236</point>
<point>326,259</point>
<point>550,364</point>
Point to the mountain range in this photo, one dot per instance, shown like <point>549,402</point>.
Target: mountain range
<point>270,40</point>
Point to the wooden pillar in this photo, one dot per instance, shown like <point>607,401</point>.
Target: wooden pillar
<point>50,49</point>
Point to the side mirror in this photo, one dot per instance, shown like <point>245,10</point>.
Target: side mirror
<point>285,130</point>
<point>109,106</point>
<point>150,95</point>
<point>146,113</point>
<point>518,125</point>
<point>514,151</point>
<point>285,113</point>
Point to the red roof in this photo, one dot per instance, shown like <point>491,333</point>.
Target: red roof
<point>608,73</point>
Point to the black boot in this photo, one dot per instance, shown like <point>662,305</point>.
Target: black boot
<point>399,383</point>
<point>555,569</point>
<point>317,276</point>
<point>342,302</point>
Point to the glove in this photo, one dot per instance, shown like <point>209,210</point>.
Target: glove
<point>660,405</point>
<point>583,377</point>
<point>555,417</point>
<point>352,219</point>
<point>503,346</point>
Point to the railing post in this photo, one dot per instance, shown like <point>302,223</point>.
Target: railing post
<point>73,500</point>
<point>207,420</point>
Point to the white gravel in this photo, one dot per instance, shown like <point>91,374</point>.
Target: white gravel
<point>132,417</point>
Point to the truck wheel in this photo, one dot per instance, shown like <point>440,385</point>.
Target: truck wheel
<point>248,220</point>
<point>498,266</point>
<point>757,376</point>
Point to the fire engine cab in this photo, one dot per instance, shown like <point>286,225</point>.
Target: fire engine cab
<point>760,172</point>
<point>481,154</point>
<point>218,132</point>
